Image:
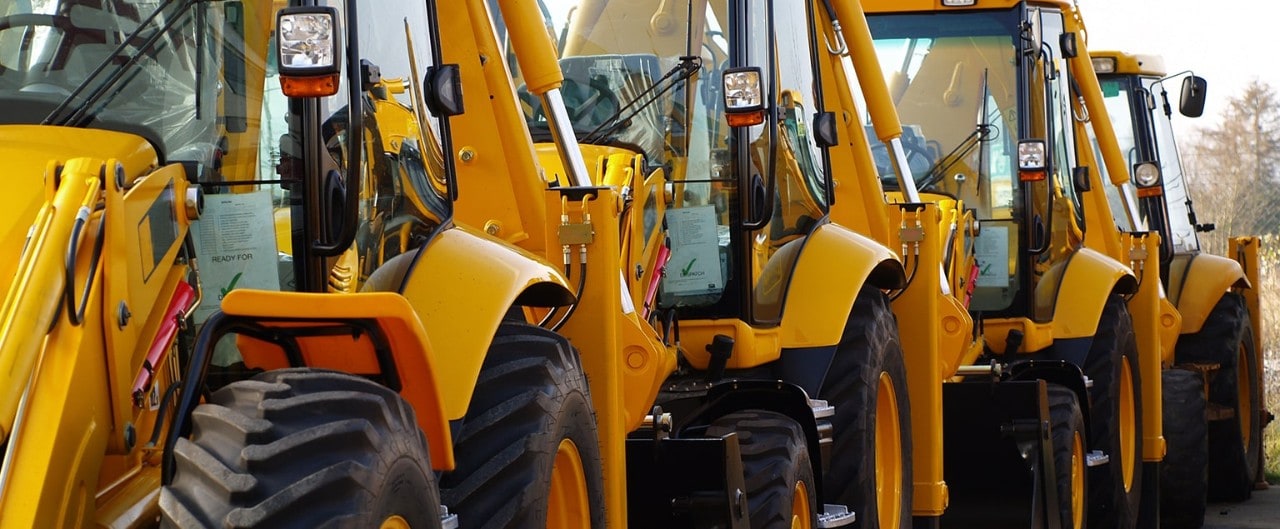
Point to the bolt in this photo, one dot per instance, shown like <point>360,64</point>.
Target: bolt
<point>123,315</point>
<point>130,436</point>
<point>492,227</point>
<point>639,271</point>
<point>467,154</point>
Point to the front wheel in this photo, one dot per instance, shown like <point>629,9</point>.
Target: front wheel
<point>1235,441</point>
<point>1068,435</point>
<point>528,455</point>
<point>867,385</point>
<point>777,469</point>
<point>1115,419</point>
<point>302,448</point>
<point>1183,474</point>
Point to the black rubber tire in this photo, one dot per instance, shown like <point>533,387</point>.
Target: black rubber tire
<point>1065,422</point>
<point>301,448</point>
<point>1233,462</point>
<point>1183,474</point>
<point>869,347</point>
<point>775,457</point>
<point>1110,505</point>
<point>530,396</point>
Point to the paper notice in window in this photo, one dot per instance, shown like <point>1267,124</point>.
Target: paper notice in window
<point>694,267</point>
<point>236,247</point>
<point>992,251</point>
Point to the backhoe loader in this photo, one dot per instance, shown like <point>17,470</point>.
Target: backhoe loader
<point>128,111</point>
<point>705,144</point>
<point>1218,350</point>
<point>997,100</point>
<point>378,196</point>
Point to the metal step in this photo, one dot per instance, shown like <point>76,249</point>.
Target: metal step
<point>1096,459</point>
<point>835,516</point>
<point>448,520</point>
<point>821,409</point>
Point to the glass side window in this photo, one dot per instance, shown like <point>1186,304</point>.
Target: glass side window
<point>794,161</point>
<point>402,190</point>
<point>1182,232</point>
<point>1060,106</point>
<point>63,54</point>
<point>1118,99</point>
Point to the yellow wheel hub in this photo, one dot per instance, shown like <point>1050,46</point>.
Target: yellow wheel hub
<point>801,518</point>
<point>1077,481</point>
<point>888,455</point>
<point>394,522</point>
<point>567,504</point>
<point>1244,392</point>
<point>1128,424</point>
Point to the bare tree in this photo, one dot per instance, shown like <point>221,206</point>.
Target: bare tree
<point>1233,168</point>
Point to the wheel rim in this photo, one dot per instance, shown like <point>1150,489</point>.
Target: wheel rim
<point>801,518</point>
<point>1244,394</point>
<point>567,504</point>
<point>1077,481</point>
<point>1128,426</point>
<point>888,454</point>
<point>394,522</point>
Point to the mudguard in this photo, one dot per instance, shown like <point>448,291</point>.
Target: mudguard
<point>461,286</point>
<point>1207,278</point>
<point>1089,279</point>
<point>832,267</point>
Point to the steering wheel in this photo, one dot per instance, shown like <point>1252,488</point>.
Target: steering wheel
<point>919,159</point>
<point>23,20</point>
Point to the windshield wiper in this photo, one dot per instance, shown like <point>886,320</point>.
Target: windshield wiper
<point>981,133</point>
<point>55,118</point>
<point>678,74</point>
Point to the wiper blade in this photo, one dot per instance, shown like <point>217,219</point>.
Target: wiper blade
<point>55,118</point>
<point>981,133</point>
<point>679,73</point>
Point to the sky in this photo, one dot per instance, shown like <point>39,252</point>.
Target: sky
<point>1228,42</point>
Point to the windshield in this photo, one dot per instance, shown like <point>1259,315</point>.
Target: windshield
<point>1119,100</point>
<point>1182,232</point>
<point>653,88</point>
<point>954,81</point>
<point>136,66</point>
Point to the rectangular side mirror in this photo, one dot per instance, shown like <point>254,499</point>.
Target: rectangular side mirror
<point>1193,96</point>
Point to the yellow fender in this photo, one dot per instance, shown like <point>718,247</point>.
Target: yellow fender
<point>1207,278</point>
<point>832,267</point>
<point>1089,279</point>
<point>461,287</point>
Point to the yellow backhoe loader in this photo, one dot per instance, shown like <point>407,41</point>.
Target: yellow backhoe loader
<point>1218,352</point>
<point>997,100</point>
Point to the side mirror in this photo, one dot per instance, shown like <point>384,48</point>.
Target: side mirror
<point>1193,95</point>
<point>824,129</point>
<point>743,90</point>
<point>1067,42</point>
<point>307,51</point>
<point>443,90</point>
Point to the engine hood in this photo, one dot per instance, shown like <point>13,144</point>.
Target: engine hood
<point>25,154</point>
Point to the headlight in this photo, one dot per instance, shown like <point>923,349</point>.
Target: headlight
<point>307,50</point>
<point>1031,155</point>
<point>1104,65</point>
<point>743,96</point>
<point>1146,174</point>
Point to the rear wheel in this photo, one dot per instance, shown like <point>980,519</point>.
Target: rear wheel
<point>302,448</point>
<point>1068,435</point>
<point>1236,440</point>
<point>1184,470</point>
<point>527,452</point>
<point>1112,364</point>
<point>781,492</point>
<point>867,384</point>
